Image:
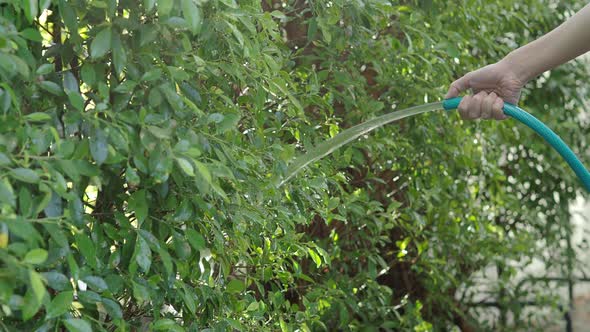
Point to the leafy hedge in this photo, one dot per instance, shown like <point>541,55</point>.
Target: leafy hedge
<point>140,140</point>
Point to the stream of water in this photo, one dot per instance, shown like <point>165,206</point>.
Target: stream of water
<point>327,147</point>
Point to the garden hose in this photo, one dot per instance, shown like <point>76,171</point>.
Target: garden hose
<point>327,147</point>
<point>540,128</point>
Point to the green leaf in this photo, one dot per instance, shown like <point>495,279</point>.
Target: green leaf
<point>166,260</point>
<point>184,212</point>
<point>73,266</point>
<point>164,7</point>
<point>324,254</point>
<point>89,297</point>
<point>196,240</point>
<point>25,175</point>
<point>152,75</point>
<point>119,54</point>
<point>76,208</point>
<point>86,248</point>
<point>68,14</point>
<point>186,166</point>
<point>4,160</point>
<point>138,203</point>
<point>36,256</point>
<point>99,4</point>
<point>19,65</point>
<point>112,6</point>
<point>149,5</point>
<point>23,229</point>
<point>172,97</point>
<point>284,327</point>
<point>155,98</point>
<point>161,133</point>
<point>99,148</point>
<point>235,286</point>
<point>181,246</point>
<point>31,9</point>
<point>131,176</point>
<point>253,306</point>
<point>204,171</point>
<point>236,33</point>
<point>76,100</point>
<point>77,325</point>
<point>37,285</point>
<point>25,201</point>
<point>57,235</point>
<point>160,166</point>
<point>31,34</point>
<point>215,117</point>
<point>140,292</point>
<point>178,74</point>
<point>31,304</point>
<point>192,14</point>
<point>230,3</point>
<point>143,254</point>
<point>44,4</point>
<point>125,87</point>
<point>164,325</point>
<point>315,257</point>
<point>51,87</point>
<point>7,193</point>
<point>70,82</point>
<point>278,14</point>
<point>45,69</point>
<point>230,121</point>
<point>72,89</point>
<point>113,308</point>
<point>189,300</point>
<point>101,43</point>
<point>176,22</point>
<point>42,201</point>
<point>96,283</point>
<point>235,324</point>
<point>190,92</point>
<point>60,304</point>
<point>88,74</point>
<point>38,117</point>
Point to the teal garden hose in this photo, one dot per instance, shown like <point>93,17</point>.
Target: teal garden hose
<point>327,147</point>
<point>540,128</point>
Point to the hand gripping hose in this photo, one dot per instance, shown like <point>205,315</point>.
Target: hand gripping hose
<point>540,128</point>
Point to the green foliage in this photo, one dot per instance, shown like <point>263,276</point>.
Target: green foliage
<point>140,140</point>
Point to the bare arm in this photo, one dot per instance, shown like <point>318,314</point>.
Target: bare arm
<point>564,43</point>
<point>503,81</point>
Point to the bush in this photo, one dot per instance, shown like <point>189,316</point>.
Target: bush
<point>140,141</point>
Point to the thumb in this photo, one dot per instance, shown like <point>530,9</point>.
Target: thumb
<point>458,86</point>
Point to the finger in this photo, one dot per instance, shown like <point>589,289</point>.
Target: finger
<point>464,107</point>
<point>498,110</point>
<point>476,105</point>
<point>458,86</point>
<point>487,105</point>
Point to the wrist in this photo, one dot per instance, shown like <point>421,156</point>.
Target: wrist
<point>518,66</point>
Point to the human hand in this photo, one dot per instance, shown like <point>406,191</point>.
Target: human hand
<point>491,86</point>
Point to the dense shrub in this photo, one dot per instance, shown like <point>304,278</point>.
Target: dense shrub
<point>140,140</point>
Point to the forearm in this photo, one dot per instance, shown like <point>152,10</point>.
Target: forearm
<point>566,42</point>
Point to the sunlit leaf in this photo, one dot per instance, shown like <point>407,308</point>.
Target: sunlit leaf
<point>36,256</point>
<point>101,44</point>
